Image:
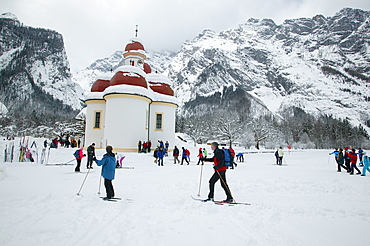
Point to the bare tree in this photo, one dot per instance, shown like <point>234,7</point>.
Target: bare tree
<point>229,128</point>
<point>260,129</point>
<point>195,128</point>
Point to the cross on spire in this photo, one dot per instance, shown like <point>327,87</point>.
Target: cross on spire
<point>136,31</point>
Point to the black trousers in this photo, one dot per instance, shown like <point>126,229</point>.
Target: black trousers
<point>77,169</point>
<point>109,188</point>
<point>89,161</point>
<point>215,177</point>
<point>182,160</point>
<point>348,165</point>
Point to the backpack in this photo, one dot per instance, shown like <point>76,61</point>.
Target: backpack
<point>76,154</point>
<point>227,157</point>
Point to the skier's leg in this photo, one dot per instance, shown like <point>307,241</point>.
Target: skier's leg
<point>109,188</point>
<point>224,185</point>
<point>212,183</point>
<point>77,169</point>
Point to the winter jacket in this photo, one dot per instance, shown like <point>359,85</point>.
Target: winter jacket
<point>161,153</point>
<point>109,165</point>
<point>353,157</point>
<point>335,153</point>
<point>155,154</point>
<point>200,155</point>
<point>280,152</point>
<point>80,154</point>
<point>91,151</point>
<point>176,152</point>
<point>232,151</point>
<point>340,158</point>
<point>360,153</point>
<point>205,153</point>
<point>218,160</point>
<point>167,145</point>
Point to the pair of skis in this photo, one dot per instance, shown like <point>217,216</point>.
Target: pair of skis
<point>115,199</point>
<point>221,202</point>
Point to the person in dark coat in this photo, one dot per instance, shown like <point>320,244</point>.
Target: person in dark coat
<point>108,170</point>
<point>139,146</point>
<point>184,156</point>
<point>220,173</point>
<point>90,155</point>
<point>340,160</point>
<point>176,153</point>
<point>353,159</point>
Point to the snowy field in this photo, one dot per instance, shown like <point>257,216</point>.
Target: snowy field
<point>305,202</point>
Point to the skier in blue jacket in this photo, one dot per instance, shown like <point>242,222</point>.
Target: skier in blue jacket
<point>108,170</point>
<point>160,154</point>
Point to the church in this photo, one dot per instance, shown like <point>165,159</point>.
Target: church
<point>131,104</point>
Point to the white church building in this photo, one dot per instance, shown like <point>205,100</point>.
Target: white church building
<point>131,104</point>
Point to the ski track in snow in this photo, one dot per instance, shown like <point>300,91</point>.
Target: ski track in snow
<point>305,202</point>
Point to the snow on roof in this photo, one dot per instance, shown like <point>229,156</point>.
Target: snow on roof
<point>130,69</point>
<point>136,40</point>
<point>157,97</point>
<point>158,78</point>
<point>93,96</point>
<point>129,89</point>
<point>9,16</point>
<point>104,76</point>
<point>82,114</point>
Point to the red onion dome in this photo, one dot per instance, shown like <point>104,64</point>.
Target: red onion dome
<point>161,88</point>
<point>128,75</point>
<point>100,85</point>
<point>147,68</point>
<point>134,45</point>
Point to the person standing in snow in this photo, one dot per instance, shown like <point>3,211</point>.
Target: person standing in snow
<point>149,146</point>
<point>184,156</point>
<point>232,153</point>
<point>108,170</point>
<point>366,165</point>
<point>139,146</point>
<point>280,156</point>
<point>335,152</point>
<point>79,154</point>
<point>347,159</point>
<point>200,155</point>
<point>45,143</point>
<point>90,155</point>
<point>176,153</point>
<point>360,153</point>
<point>240,156</point>
<point>220,173</point>
<point>353,159</point>
<point>340,160</point>
<point>160,154</point>
<point>205,153</point>
<point>155,155</point>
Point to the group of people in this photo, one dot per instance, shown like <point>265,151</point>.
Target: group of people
<point>347,159</point>
<point>66,143</point>
<point>108,171</point>
<point>160,152</point>
<point>144,147</point>
<point>279,154</point>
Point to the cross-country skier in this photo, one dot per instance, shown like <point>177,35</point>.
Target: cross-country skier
<point>79,154</point>
<point>200,155</point>
<point>360,153</point>
<point>340,160</point>
<point>240,156</point>
<point>108,170</point>
<point>90,155</point>
<point>184,156</point>
<point>353,159</point>
<point>280,155</point>
<point>220,173</point>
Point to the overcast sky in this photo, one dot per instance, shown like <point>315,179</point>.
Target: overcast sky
<point>95,29</point>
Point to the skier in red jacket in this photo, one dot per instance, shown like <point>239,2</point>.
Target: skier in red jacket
<point>220,172</point>
<point>353,159</point>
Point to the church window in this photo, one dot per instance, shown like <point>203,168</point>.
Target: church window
<point>97,119</point>
<point>159,122</point>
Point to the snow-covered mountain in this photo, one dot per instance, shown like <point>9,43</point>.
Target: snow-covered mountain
<point>35,75</point>
<point>159,61</point>
<point>318,64</point>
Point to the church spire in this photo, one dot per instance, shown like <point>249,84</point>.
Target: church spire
<point>136,31</point>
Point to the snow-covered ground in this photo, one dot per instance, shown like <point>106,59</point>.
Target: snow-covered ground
<point>305,202</point>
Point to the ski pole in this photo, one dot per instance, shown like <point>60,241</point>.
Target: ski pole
<point>227,187</point>
<point>99,185</point>
<point>78,193</point>
<point>200,178</point>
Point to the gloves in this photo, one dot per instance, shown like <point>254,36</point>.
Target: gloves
<point>215,167</point>
<point>84,155</point>
<point>94,158</point>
